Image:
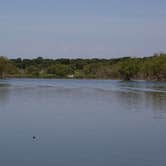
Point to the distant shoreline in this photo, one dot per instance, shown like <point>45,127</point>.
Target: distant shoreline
<point>148,68</point>
<point>97,79</point>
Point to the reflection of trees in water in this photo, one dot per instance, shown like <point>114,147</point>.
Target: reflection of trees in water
<point>4,94</point>
<point>143,101</point>
<point>130,101</point>
<point>158,104</point>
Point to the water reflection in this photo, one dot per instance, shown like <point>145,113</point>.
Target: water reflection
<point>143,101</point>
<point>157,104</point>
<point>82,123</point>
<point>4,93</point>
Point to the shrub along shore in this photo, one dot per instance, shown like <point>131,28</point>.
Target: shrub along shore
<point>127,68</point>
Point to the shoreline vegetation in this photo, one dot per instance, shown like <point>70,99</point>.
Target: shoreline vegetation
<point>147,68</point>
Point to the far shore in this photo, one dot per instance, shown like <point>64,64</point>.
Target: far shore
<point>126,68</point>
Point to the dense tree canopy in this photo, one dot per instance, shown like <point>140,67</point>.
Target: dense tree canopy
<point>148,68</point>
<point>6,67</point>
<point>3,64</point>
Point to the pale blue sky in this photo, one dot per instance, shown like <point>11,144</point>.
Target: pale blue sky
<point>82,28</point>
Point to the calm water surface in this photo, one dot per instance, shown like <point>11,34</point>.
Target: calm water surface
<point>82,123</point>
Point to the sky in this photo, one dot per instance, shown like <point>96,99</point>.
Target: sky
<point>82,28</point>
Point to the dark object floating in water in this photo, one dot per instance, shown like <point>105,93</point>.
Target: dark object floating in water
<point>34,137</point>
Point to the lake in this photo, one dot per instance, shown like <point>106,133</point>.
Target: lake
<point>82,123</point>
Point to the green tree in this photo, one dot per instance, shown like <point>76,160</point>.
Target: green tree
<point>33,71</point>
<point>128,69</point>
<point>59,70</point>
<point>3,66</point>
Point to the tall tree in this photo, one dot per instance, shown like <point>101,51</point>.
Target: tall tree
<point>3,66</point>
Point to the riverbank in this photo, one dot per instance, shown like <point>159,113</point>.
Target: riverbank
<point>127,68</point>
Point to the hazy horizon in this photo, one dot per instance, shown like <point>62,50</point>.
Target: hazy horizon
<point>82,29</point>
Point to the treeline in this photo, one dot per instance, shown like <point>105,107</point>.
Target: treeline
<point>148,68</point>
